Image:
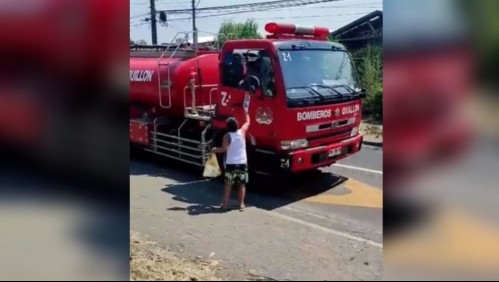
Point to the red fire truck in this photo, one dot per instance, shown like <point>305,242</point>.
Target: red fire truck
<point>305,107</point>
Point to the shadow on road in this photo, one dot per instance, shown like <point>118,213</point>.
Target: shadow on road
<point>204,196</point>
<point>194,193</point>
<point>278,192</point>
<point>144,163</point>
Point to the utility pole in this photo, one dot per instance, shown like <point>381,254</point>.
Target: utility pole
<point>194,29</point>
<point>153,23</point>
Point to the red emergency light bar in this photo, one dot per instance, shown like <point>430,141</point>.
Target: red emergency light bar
<point>291,29</point>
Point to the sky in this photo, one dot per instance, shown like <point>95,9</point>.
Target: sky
<point>332,15</point>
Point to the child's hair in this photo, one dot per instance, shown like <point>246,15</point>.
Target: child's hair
<point>232,124</point>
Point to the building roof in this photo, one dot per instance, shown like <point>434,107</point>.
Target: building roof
<point>367,27</point>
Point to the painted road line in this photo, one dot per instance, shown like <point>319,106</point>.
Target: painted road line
<point>307,213</point>
<point>332,220</point>
<point>359,168</point>
<point>358,194</point>
<point>324,229</point>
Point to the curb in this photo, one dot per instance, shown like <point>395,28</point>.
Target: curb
<point>373,143</point>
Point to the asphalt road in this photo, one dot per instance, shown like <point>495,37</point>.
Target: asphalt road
<point>319,226</point>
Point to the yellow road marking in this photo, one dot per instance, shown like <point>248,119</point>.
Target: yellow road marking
<point>451,240</point>
<point>359,194</point>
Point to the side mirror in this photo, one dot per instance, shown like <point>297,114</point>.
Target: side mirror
<point>250,84</point>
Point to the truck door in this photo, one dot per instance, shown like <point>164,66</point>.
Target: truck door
<point>238,64</point>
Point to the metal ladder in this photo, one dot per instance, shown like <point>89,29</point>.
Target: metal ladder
<point>205,111</point>
<point>192,151</point>
<point>184,36</point>
<point>176,146</point>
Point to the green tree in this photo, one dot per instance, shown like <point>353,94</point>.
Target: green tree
<point>231,30</point>
<point>332,39</point>
<point>482,24</point>
<point>369,65</point>
<point>141,42</point>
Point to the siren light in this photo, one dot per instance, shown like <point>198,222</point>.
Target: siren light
<point>276,28</point>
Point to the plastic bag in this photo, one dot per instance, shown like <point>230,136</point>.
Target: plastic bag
<point>211,168</point>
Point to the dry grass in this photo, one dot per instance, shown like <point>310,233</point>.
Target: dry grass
<point>149,262</point>
<point>373,130</point>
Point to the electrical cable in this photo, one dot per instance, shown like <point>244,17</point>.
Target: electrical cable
<point>237,12</point>
<point>268,5</point>
<point>292,17</point>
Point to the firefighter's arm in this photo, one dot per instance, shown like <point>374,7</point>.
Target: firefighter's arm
<point>225,145</point>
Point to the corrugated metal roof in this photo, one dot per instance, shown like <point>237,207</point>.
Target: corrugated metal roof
<point>367,27</point>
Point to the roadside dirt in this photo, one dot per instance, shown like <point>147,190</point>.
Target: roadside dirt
<point>375,131</point>
<point>149,262</point>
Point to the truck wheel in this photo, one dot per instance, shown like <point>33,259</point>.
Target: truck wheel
<point>267,184</point>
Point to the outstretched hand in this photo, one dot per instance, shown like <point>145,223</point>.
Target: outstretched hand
<point>246,103</point>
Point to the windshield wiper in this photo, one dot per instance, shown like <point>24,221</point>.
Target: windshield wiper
<point>311,90</point>
<point>333,87</point>
<point>346,86</point>
<point>300,102</point>
<point>353,92</point>
<point>328,87</point>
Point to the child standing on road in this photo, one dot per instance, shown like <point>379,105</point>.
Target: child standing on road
<point>236,165</point>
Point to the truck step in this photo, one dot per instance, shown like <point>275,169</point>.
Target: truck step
<point>204,113</point>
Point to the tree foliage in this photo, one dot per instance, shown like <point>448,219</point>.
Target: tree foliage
<point>481,16</point>
<point>141,42</point>
<point>231,30</point>
<point>369,65</point>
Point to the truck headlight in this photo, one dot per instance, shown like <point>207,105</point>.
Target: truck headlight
<point>354,131</point>
<point>294,144</point>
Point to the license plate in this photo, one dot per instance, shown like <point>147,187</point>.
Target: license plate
<point>334,152</point>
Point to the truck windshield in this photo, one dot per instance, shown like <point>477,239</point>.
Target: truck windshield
<point>329,73</point>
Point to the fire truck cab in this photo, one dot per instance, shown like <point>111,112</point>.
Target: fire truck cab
<point>306,101</point>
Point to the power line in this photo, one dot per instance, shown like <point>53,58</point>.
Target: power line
<point>364,5</point>
<point>292,17</point>
<point>217,11</point>
<point>225,14</point>
<point>266,5</point>
<point>282,17</point>
<point>138,16</point>
<point>298,17</point>
<point>172,2</point>
<point>204,18</point>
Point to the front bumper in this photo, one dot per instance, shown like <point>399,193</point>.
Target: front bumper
<point>316,157</point>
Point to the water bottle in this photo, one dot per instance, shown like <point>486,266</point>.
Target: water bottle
<point>246,102</point>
